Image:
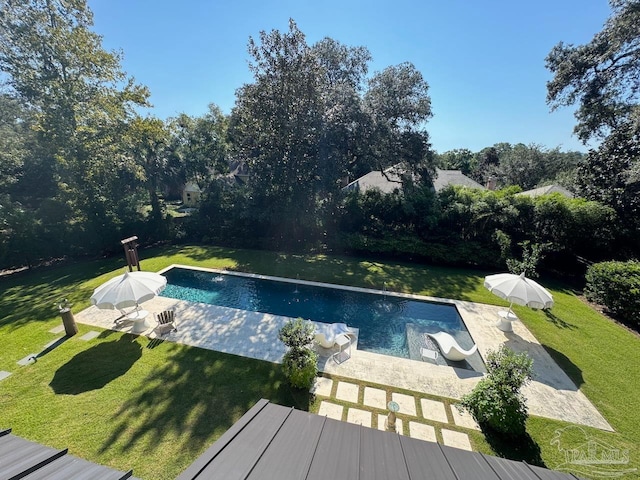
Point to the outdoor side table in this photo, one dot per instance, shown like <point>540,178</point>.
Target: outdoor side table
<point>139,320</point>
<point>506,317</point>
<point>428,354</point>
<point>342,342</point>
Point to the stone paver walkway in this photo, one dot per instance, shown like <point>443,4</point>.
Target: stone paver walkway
<point>433,420</point>
<point>331,410</point>
<point>347,392</point>
<point>374,397</point>
<point>434,410</point>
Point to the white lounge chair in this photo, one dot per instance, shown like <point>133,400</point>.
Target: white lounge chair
<point>450,348</point>
<point>327,333</point>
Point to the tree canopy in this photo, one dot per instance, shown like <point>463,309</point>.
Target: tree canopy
<point>603,76</point>
<point>304,124</point>
<point>82,166</point>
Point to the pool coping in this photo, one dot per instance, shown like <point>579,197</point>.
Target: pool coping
<point>551,393</point>
<point>370,291</point>
<point>311,283</point>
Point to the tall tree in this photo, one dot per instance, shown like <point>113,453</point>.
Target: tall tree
<point>148,140</point>
<point>461,159</point>
<point>398,101</point>
<point>276,126</point>
<point>602,76</point>
<point>15,123</point>
<point>199,147</point>
<point>344,145</point>
<point>608,176</point>
<point>81,99</point>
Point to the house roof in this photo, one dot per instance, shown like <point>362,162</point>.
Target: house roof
<point>192,187</point>
<point>536,192</point>
<point>392,180</point>
<point>444,178</point>
<point>376,179</point>
<point>272,441</point>
<point>20,458</point>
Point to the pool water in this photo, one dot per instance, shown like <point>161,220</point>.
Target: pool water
<point>388,324</point>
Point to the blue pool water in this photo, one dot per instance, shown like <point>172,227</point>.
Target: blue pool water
<point>383,320</point>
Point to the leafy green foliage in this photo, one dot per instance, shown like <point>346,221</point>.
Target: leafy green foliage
<point>398,103</point>
<point>460,226</point>
<point>616,285</point>
<point>15,124</point>
<point>496,402</point>
<point>528,262</point>
<point>304,125</point>
<point>461,159</point>
<point>609,175</point>
<point>526,166</point>
<point>300,362</point>
<point>148,141</point>
<point>199,148</point>
<point>79,101</point>
<point>276,126</point>
<point>600,76</point>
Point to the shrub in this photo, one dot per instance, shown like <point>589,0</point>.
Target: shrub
<point>496,402</point>
<point>300,363</point>
<point>616,285</point>
<point>410,246</point>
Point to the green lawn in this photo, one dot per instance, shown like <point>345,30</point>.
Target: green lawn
<point>121,401</point>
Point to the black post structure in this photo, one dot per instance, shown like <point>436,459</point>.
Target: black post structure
<point>131,252</point>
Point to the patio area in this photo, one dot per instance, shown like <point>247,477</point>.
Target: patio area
<point>551,394</point>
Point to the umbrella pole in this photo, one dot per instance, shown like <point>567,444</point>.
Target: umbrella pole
<point>510,311</point>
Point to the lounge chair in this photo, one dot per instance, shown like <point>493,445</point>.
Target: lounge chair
<point>327,333</point>
<point>450,348</point>
<point>166,322</point>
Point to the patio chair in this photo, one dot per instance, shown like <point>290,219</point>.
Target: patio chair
<point>166,322</point>
<point>327,333</point>
<point>450,348</point>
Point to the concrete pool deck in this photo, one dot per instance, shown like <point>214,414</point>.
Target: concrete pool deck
<point>551,394</point>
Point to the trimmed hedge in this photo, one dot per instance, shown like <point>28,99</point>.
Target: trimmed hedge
<point>409,246</point>
<point>616,285</point>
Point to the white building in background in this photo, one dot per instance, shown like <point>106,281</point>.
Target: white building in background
<point>191,194</point>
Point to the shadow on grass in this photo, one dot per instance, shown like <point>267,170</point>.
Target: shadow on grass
<point>51,346</point>
<point>398,276</point>
<point>196,394</point>
<point>521,448</point>
<point>558,322</point>
<point>95,367</point>
<point>31,295</point>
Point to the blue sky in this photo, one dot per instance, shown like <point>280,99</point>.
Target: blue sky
<point>484,61</point>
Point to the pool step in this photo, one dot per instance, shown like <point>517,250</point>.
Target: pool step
<point>416,341</point>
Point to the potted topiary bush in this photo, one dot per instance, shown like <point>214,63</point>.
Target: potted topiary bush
<point>300,363</point>
<point>496,402</point>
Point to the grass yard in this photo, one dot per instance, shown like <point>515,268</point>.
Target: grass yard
<point>122,401</point>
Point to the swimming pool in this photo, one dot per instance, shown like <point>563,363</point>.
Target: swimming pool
<point>389,324</point>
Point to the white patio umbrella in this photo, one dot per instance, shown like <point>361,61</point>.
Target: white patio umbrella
<point>518,289</point>
<point>128,290</point>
